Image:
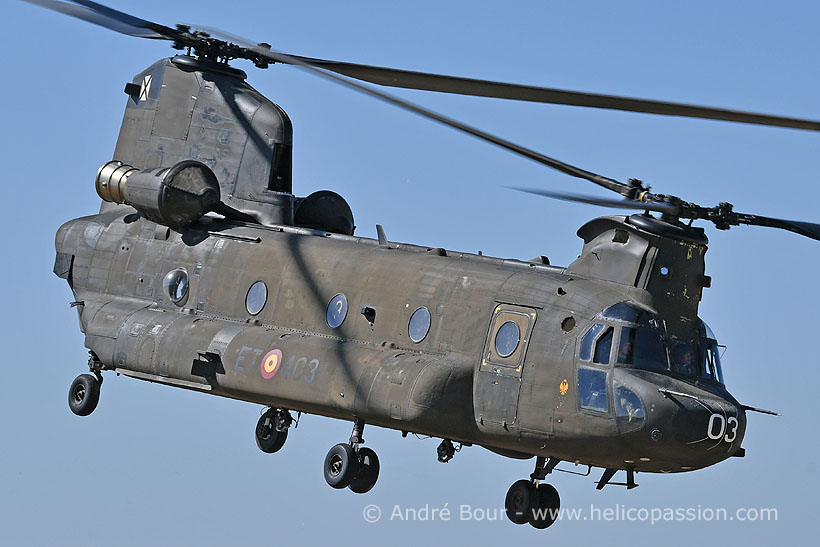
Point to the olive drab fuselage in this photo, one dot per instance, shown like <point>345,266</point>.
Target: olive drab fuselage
<point>454,383</point>
<point>279,304</point>
<point>203,270</point>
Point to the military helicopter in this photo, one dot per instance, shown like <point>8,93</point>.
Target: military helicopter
<point>603,362</point>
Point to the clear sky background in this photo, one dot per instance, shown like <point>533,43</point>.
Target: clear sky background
<point>159,465</point>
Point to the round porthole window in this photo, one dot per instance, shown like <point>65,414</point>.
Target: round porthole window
<point>507,338</point>
<point>419,324</point>
<point>256,298</point>
<point>336,311</point>
<point>175,284</point>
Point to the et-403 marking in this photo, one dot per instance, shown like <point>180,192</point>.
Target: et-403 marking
<point>299,369</point>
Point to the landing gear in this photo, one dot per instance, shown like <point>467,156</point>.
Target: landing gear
<point>272,430</point>
<point>341,465</point>
<point>84,394</point>
<point>533,502</point>
<point>368,471</point>
<point>549,502</point>
<point>521,498</point>
<point>349,465</point>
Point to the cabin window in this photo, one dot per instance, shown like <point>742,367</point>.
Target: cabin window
<point>592,389</point>
<point>175,284</point>
<point>256,298</point>
<point>336,311</point>
<point>419,324</point>
<point>507,338</point>
<point>642,348</point>
<point>603,347</point>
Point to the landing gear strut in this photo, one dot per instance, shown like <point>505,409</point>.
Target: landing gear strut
<point>84,393</point>
<point>272,429</point>
<point>349,465</point>
<point>533,502</point>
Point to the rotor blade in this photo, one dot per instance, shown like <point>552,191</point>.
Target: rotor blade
<point>264,51</point>
<point>484,88</point>
<point>603,202</point>
<point>808,229</point>
<point>106,17</point>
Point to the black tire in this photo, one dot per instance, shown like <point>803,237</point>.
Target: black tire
<point>368,473</point>
<point>546,511</point>
<point>341,465</point>
<point>521,498</point>
<point>267,438</point>
<point>83,395</point>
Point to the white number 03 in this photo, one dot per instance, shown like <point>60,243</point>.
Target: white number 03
<point>726,429</point>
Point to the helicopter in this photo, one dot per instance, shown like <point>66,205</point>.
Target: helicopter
<point>635,311</point>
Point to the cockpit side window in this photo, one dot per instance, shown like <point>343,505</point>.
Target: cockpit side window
<point>592,389</point>
<point>603,348</point>
<point>642,347</point>
<point>585,354</point>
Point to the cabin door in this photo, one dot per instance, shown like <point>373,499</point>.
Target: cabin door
<point>498,378</point>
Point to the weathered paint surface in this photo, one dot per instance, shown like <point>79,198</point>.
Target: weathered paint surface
<point>452,384</point>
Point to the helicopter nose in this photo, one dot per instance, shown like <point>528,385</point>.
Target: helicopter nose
<point>702,428</point>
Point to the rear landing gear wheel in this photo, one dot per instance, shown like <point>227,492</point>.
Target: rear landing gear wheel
<point>341,466</point>
<point>268,439</point>
<point>521,498</point>
<point>84,394</point>
<point>545,510</point>
<point>368,473</point>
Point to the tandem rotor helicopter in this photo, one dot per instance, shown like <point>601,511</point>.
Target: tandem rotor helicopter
<point>604,362</point>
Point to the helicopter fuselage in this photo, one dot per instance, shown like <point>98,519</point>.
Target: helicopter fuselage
<point>334,331</point>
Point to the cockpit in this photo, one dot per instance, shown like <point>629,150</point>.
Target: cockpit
<point>628,336</point>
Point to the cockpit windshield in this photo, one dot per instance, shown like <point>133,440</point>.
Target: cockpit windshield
<point>697,358</point>
<point>643,348</point>
<point>711,355</point>
<point>640,340</point>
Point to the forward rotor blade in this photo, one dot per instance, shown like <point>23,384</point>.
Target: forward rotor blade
<point>107,17</point>
<point>808,229</point>
<point>603,202</point>
<point>265,51</point>
<point>484,88</point>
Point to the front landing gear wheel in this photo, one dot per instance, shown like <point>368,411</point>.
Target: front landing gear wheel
<point>545,510</point>
<point>522,497</point>
<point>341,466</point>
<point>84,394</point>
<point>268,439</point>
<point>368,474</point>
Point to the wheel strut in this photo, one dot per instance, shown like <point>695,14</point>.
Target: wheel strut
<point>358,429</point>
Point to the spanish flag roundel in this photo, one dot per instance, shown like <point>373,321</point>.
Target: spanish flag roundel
<point>271,363</point>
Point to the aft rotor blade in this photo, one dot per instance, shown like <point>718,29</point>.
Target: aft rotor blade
<point>108,18</point>
<point>603,202</point>
<point>265,51</point>
<point>441,83</point>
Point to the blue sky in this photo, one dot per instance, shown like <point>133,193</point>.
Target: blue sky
<point>159,465</point>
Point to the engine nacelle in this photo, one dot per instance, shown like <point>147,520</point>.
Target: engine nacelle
<point>172,196</point>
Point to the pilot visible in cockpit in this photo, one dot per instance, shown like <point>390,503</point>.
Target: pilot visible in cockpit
<point>683,359</point>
